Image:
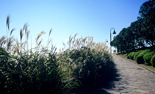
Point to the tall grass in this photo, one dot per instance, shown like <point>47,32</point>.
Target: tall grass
<point>82,63</point>
<point>88,62</point>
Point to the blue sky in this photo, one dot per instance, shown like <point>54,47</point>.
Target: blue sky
<point>68,17</point>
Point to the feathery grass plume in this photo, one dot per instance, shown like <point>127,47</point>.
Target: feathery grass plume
<point>40,42</point>
<point>27,33</point>
<point>75,35</point>
<point>9,43</point>
<point>21,34</point>
<point>12,31</point>
<point>38,36</point>
<point>25,27</point>
<point>83,40</point>
<point>16,46</point>
<point>70,39</point>
<point>50,32</point>
<point>48,37</point>
<point>2,39</point>
<point>8,21</point>
<point>42,32</point>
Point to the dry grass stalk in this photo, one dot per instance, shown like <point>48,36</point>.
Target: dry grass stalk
<point>8,22</point>
<point>2,39</point>
<point>75,35</point>
<point>25,27</point>
<point>9,44</point>
<point>27,33</point>
<point>42,32</point>
<point>12,31</point>
<point>50,32</point>
<point>83,40</point>
<point>70,39</point>
<point>40,42</point>
<point>21,34</point>
<point>39,36</point>
<point>16,47</point>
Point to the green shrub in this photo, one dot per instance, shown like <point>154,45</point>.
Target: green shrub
<point>131,55</point>
<point>153,60</point>
<point>136,54</point>
<point>139,58</point>
<point>147,58</point>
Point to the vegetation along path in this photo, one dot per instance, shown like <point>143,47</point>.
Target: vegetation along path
<point>133,79</point>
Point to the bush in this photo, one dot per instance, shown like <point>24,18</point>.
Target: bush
<point>139,58</point>
<point>153,60</point>
<point>131,55</point>
<point>147,58</point>
<point>136,54</point>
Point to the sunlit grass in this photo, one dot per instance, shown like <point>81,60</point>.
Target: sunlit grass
<point>147,66</point>
<point>81,63</point>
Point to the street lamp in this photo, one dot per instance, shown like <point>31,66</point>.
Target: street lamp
<point>110,37</point>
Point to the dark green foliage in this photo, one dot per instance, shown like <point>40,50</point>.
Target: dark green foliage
<point>3,55</point>
<point>140,33</point>
<point>153,60</point>
<point>30,74</point>
<point>147,58</point>
<point>135,55</point>
<point>93,68</point>
<point>131,55</point>
<point>139,58</point>
<point>3,66</point>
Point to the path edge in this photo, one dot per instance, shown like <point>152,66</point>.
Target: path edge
<point>138,64</point>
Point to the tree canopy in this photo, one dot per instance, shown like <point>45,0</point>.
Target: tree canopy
<point>141,33</point>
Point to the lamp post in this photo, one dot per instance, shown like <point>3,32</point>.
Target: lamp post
<point>110,37</point>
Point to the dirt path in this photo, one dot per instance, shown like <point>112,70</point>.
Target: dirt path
<point>133,79</point>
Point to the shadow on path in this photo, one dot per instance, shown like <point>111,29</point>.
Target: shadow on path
<point>106,82</point>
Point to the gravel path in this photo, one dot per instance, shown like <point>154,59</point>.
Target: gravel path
<point>133,79</point>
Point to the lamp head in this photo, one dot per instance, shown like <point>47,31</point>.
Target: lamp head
<point>114,32</point>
